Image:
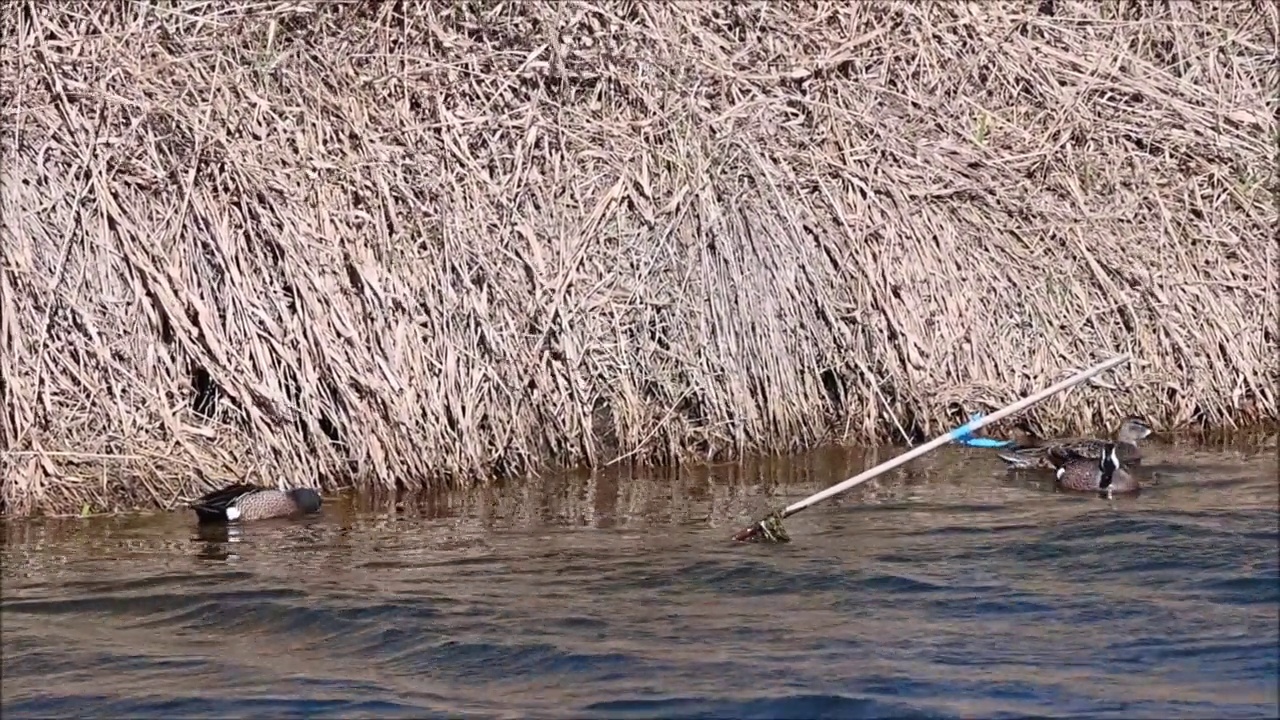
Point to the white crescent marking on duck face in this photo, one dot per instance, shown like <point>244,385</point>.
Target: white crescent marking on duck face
<point>1062,470</point>
<point>233,512</point>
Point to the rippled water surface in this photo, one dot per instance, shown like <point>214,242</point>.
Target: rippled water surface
<point>949,588</point>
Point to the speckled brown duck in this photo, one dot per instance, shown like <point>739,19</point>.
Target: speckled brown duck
<point>244,502</point>
<point>1037,454</point>
<point>1096,475</point>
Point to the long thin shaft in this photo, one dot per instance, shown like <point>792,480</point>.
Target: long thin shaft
<point>944,439</point>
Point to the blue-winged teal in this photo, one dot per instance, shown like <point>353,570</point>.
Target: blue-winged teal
<point>1085,474</point>
<point>1036,455</point>
<point>245,501</point>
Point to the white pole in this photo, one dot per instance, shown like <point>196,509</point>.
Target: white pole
<point>944,439</point>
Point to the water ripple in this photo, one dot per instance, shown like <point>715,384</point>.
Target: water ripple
<point>987,597</point>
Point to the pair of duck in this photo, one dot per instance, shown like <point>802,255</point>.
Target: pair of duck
<point>1087,464</point>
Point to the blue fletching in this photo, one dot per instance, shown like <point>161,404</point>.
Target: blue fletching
<point>964,436</point>
<point>985,442</point>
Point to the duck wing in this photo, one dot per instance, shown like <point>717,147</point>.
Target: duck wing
<point>1023,456</point>
<point>1076,449</point>
<point>216,502</point>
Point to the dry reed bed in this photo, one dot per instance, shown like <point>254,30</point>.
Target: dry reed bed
<point>314,242</point>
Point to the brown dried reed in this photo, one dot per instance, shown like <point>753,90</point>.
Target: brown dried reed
<point>330,242</point>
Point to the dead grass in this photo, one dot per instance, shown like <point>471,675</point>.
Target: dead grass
<point>321,242</point>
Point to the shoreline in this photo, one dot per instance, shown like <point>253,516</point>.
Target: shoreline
<point>1260,438</point>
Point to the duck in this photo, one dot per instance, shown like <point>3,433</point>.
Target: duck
<point>245,501</point>
<point>1033,454</point>
<point>1086,474</point>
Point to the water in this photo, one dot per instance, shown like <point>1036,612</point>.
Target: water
<point>946,589</point>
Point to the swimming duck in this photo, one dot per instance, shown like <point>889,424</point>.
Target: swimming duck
<point>1131,430</point>
<point>246,501</point>
<point>1084,474</point>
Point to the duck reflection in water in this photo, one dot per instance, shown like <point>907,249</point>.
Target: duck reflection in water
<point>216,541</point>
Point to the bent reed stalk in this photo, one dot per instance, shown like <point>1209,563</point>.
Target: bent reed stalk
<point>423,243</point>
